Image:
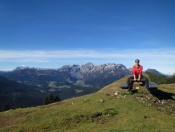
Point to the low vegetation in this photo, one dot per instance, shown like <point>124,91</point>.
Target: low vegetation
<point>51,99</point>
<point>161,79</point>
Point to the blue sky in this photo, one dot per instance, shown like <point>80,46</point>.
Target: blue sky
<point>52,33</point>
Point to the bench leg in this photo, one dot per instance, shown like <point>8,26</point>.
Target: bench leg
<point>146,82</point>
<point>130,83</point>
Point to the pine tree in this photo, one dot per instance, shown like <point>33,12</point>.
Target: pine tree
<point>6,107</point>
<point>51,99</point>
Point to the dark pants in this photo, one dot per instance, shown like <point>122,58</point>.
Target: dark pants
<point>130,83</point>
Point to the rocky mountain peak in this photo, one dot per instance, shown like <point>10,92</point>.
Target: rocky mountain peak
<point>120,66</point>
<point>65,68</point>
<point>21,68</point>
<point>89,64</point>
<point>153,71</point>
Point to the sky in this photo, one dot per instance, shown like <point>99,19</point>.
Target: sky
<point>53,33</point>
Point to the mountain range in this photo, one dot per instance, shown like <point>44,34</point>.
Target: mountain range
<point>77,77</point>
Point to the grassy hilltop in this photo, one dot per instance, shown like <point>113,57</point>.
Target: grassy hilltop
<point>99,112</point>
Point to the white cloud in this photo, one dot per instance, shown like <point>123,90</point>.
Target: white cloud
<point>159,59</point>
<point>56,54</point>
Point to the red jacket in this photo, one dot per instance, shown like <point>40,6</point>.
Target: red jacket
<point>137,71</point>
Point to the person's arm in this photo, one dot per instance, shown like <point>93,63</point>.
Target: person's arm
<point>135,77</point>
<point>139,77</point>
<point>133,71</point>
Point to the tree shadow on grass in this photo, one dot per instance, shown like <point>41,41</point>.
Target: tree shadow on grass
<point>162,95</point>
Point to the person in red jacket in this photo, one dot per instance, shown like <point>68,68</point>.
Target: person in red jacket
<point>137,76</point>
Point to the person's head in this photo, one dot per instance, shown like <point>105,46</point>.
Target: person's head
<point>137,61</point>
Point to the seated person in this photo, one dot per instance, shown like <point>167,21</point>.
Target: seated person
<point>137,76</point>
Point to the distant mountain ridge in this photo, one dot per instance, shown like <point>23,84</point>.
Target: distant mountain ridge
<point>88,73</point>
<point>68,71</point>
<point>94,75</point>
<point>153,71</point>
<point>90,69</point>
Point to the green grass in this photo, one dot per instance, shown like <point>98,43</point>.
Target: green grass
<point>53,84</point>
<point>168,87</point>
<point>81,83</point>
<point>78,90</point>
<point>97,112</point>
<point>64,86</point>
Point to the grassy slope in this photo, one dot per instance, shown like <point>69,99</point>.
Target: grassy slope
<point>88,113</point>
